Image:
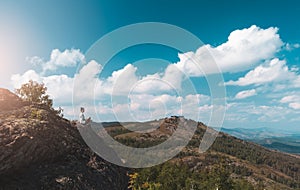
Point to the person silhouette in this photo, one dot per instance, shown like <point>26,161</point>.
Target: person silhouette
<point>82,119</point>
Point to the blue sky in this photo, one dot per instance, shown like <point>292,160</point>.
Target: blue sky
<point>262,80</point>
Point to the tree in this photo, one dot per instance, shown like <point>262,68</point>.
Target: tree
<point>34,92</point>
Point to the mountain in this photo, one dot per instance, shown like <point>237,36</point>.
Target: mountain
<point>281,140</point>
<point>246,163</point>
<point>41,150</point>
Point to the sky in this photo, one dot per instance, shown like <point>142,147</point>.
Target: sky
<point>255,45</point>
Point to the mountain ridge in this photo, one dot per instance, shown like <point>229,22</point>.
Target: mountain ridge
<point>244,160</point>
<point>41,150</point>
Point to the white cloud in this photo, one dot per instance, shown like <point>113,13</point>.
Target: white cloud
<point>173,76</point>
<point>84,82</point>
<point>273,71</point>
<point>141,107</point>
<point>244,48</point>
<point>121,81</point>
<point>17,80</point>
<point>86,86</point>
<point>35,60</point>
<point>245,94</point>
<point>125,81</point>
<point>297,45</point>
<point>290,47</point>
<point>60,87</point>
<point>153,84</point>
<point>249,112</point>
<point>149,107</point>
<point>271,113</point>
<point>67,58</point>
<point>292,100</point>
<point>295,83</point>
<point>155,96</point>
<point>294,105</point>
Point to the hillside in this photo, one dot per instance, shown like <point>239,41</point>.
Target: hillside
<point>41,150</point>
<point>246,162</point>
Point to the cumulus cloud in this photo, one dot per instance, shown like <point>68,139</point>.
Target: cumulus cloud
<point>272,71</point>
<point>86,86</point>
<point>85,80</point>
<point>141,107</point>
<point>148,106</point>
<point>155,95</point>
<point>67,58</point>
<point>17,79</point>
<point>121,81</point>
<point>244,49</point>
<point>125,81</point>
<point>292,100</point>
<point>60,87</point>
<point>245,94</point>
<point>174,76</point>
<point>153,84</point>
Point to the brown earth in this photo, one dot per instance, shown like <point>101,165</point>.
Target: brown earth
<point>41,150</point>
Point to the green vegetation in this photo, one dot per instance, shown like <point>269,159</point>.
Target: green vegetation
<point>259,157</point>
<point>173,176</point>
<point>230,163</point>
<point>118,131</point>
<point>35,93</point>
<point>35,114</point>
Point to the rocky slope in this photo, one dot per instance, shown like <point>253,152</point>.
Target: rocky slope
<point>41,150</point>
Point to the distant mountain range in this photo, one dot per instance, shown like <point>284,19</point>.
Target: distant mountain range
<point>281,140</point>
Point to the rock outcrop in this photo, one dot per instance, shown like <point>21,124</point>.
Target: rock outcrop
<point>41,150</point>
<point>169,125</point>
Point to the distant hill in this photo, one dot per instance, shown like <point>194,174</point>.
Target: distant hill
<point>246,162</point>
<point>280,140</point>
